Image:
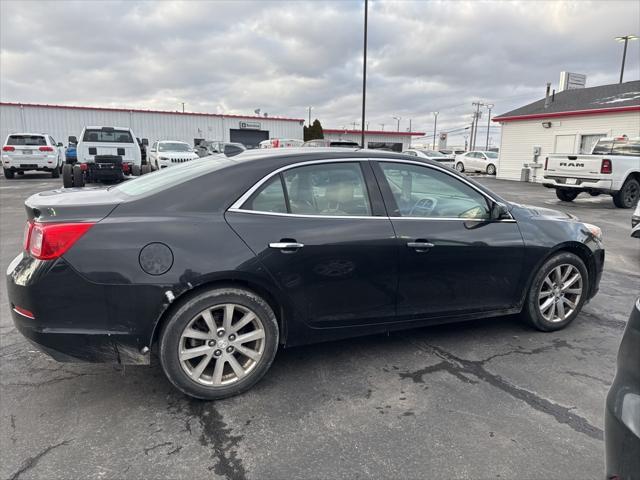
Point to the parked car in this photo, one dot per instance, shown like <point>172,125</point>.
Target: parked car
<point>477,161</point>
<point>281,143</point>
<point>227,259</point>
<point>229,149</point>
<point>166,153</point>
<point>452,152</point>
<point>612,168</point>
<point>322,142</point>
<point>24,152</point>
<point>622,411</point>
<point>104,154</point>
<point>447,160</point>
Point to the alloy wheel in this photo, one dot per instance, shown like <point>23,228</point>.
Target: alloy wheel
<point>560,293</point>
<point>631,194</point>
<point>221,345</point>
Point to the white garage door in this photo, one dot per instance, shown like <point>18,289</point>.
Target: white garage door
<point>565,144</point>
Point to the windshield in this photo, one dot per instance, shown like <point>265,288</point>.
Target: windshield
<point>108,135</point>
<point>623,146</point>
<point>30,140</point>
<point>174,147</point>
<point>170,177</point>
<point>491,154</point>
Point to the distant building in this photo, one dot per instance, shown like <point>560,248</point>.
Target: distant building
<point>62,121</point>
<point>570,121</point>
<point>380,139</point>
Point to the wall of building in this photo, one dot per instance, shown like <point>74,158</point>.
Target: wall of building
<point>377,137</point>
<point>62,122</point>
<point>520,136</point>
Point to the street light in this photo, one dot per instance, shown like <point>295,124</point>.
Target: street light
<point>435,124</point>
<point>625,39</point>
<point>382,126</point>
<point>398,119</point>
<point>309,108</point>
<point>489,106</point>
<point>364,68</point>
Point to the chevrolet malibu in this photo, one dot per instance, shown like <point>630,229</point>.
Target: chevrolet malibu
<point>217,262</point>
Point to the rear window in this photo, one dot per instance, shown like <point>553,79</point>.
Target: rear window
<point>170,177</point>
<point>174,147</point>
<point>107,136</point>
<point>618,147</point>
<point>30,140</point>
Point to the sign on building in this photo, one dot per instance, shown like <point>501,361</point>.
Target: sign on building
<point>442,141</point>
<point>250,125</point>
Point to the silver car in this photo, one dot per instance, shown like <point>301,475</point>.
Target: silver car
<point>447,160</point>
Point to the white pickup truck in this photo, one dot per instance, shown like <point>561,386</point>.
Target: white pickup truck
<point>612,168</point>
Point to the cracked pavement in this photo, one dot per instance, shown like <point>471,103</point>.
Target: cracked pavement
<point>485,399</point>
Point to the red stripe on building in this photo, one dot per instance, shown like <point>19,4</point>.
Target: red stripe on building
<point>573,113</point>
<point>373,132</point>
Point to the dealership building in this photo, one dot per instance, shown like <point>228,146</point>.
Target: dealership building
<point>62,121</point>
<point>570,121</point>
<point>380,139</point>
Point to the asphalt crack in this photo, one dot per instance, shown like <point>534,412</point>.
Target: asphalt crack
<point>460,367</point>
<point>153,447</point>
<point>31,462</point>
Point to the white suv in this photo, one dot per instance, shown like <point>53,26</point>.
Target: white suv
<point>23,152</point>
<point>165,153</point>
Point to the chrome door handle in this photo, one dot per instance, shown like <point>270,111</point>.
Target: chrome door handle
<point>420,245</point>
<point>286,245</point>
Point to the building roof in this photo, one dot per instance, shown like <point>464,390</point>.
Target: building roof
<point>373,132</point>
<point>110,109</point>
<point>617,97</point>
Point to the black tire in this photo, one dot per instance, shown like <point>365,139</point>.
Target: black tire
<point>8,174</point>
<point>55,173</point>
<point>491,169</point>
<point>67,175</point>
<point>145,169</point>
<point>135,170</point>
<point>78,176</point>
<point>460,167</point>
<point>531,310</point>
<point>628,195</point>
<point>594,194</point>
<point>180,318</point>
<point>566,194</point>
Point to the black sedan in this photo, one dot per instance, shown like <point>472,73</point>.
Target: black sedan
<point>215,263</point>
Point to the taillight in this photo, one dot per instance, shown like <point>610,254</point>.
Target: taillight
<point>24,312</point>
<point>606,166</point>
<point>46,149</point>
<point>49,241</point>
<point>27,234</point>
<point>8,148</point>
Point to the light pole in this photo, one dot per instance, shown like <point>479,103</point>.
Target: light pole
<point>489,106</point>
<point>398,120</point>
<point>625,39</point>
<point>364,68</point>
<point>182,106</point>
<point>381,126</point>
<point>309,109</point>
<point>435,125</point>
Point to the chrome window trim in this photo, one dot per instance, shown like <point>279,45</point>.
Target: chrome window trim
<point>236,206</point>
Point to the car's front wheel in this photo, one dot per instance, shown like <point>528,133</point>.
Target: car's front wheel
<point>557,292</point>
<point>218,343</point>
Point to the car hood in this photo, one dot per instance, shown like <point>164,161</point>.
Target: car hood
<point>193,155</point>
<point>532,211</point>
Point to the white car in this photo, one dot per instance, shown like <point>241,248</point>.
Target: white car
<point>281,143</point>
<point>166,153</point>
<point>447,160</point>
<point>478,161</point>
<point>23,152</point>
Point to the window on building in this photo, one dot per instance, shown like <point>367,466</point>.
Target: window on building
<point>587,142</point>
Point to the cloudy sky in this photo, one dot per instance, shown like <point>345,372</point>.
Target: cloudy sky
<point>234,57</point>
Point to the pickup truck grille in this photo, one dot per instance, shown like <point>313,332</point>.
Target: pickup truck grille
<point>180,160</point>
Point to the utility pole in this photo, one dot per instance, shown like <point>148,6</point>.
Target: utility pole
<point>489,106</point>
<point>364,68</point>
<point>409,126</point>
<point>309,109</point>
<point>398,120</point>
<point>382,126</point>
<point>625,39</point>
<point>476,117</point>
<point>435,125</point>
<point>182,107</point>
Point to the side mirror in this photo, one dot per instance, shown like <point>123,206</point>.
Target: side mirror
<point>499,211</point>
<point>73,140</point>
<point>635,233</point>
<point>145,141</point>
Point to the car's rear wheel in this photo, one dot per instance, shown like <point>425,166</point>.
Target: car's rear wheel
<point>8,174</point>
<point>566,194</point>
<point>146,168</point>
<point>628,195</point>
<point>219,343</point>
<point>135,170</point>
<point>67,175</point>
<point>78,176</point>
<point>557,292</point>
<point>460,167</point>
<point>491,169</point>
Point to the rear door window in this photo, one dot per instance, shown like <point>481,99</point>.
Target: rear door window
<point>108,135</point>
<point>28,140</point>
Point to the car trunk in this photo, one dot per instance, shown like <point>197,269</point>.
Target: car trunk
<point>574,166</point>
<point>65,204</point>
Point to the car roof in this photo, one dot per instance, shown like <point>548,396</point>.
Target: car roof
<point>28,133</point>
<point>99,127</point>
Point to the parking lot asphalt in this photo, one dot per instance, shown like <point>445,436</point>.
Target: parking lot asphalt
<point>486,399</point>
